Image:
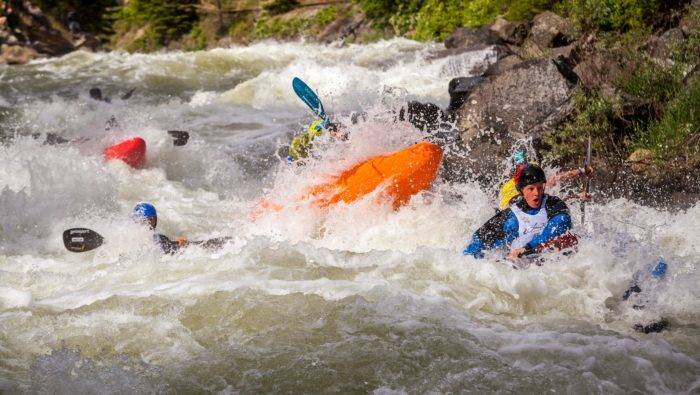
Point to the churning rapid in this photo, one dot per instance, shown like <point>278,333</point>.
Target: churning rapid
<point>352,298</point>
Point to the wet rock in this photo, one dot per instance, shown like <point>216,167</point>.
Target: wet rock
<point>549,30</point>
<point>503,65</point>
<point>459,89</point>
<point>464,37</point>
<point>528,100</point>
<point>15,54</point>
<point>598,70</point>
<point>342,28</point>
<point>662,46</point>
<point>509,32</point>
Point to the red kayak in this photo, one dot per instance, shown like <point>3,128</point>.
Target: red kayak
<point>131,151</point>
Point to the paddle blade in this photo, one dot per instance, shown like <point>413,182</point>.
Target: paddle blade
<point>81,239</point>
<point>308,96</point>
<point>180,137</point>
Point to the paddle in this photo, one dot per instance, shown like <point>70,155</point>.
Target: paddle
<point>308,96</point>
<point>180,137</point>
<point>81,239</point>
<point>587,184</point>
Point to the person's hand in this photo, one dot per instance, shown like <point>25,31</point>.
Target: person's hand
<point>515,253</point>
<point>181,241</point>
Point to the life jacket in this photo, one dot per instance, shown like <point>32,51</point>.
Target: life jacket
<point>529,225</point>
<point>507,193</point>
<point>301,143</point>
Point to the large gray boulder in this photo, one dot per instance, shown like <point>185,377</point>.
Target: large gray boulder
<point>465,37</point>
<point>509,32</point>
<point>527,100</point>
<point>549,30</point>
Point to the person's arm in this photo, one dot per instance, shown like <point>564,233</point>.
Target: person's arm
<point>568,175</point>
<point>170,246</point>
<point>557,226</point>
<point>497,231</point>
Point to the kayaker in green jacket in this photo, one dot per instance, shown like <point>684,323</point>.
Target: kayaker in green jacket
<point>301,144</point>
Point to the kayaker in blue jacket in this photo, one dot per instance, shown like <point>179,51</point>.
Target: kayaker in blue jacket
<point>534,219</point>
<point>145,213</point>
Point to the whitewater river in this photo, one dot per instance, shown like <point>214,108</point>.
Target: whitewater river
<point>356,298</point>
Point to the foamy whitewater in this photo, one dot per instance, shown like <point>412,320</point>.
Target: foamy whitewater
<point>355,298</point>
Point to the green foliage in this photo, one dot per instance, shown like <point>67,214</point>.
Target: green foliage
<point>525,10</point>
<point>275,7</point>
<point>287,28</point>
<point>652,82</point>
<point>593,114</point>
<point>608,15</point>
<point>195,39</point>
<point>325,16</point>
<point>688,50</point>
<point>164,20</point>
<point>438,18</point>
<point>671,136</point>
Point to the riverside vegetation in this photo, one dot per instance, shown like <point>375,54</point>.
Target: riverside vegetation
<point>632,63</point>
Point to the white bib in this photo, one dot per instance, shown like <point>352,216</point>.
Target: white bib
<point>529,225</point>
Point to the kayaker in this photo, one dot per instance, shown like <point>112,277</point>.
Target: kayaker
<point>301,144</point>
<point>508,192</point>
<point>145,213</point>
<point>533,219</point>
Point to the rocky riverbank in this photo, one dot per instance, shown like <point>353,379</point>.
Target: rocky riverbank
<point>556,79</point>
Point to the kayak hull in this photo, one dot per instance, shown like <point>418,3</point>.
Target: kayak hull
<point>131,151</point>
<point>400,174</point>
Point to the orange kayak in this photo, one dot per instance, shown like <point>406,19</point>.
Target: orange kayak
<point>131,151</point>
<point>400,175</point>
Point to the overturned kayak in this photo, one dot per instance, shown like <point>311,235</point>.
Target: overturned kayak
<point>131,151</point>
<point>399,175</point>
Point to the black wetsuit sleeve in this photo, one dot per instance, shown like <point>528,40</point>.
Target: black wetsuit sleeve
<point>493,229</point>
<point>555,206</point>
<point>168,246</point>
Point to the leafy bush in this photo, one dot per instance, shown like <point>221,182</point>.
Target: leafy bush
<point>607,15</point>
<point>651,82</point>
<point>671,136</point>
<point>165,20</point>
<point>438,18</point>
<point>593,115</point>
<point>287,28</point>
<point>525,10</point>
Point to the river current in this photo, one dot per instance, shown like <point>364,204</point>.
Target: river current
<point>355,298</point>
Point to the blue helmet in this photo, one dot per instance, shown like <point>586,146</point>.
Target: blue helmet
<point>144,210</point>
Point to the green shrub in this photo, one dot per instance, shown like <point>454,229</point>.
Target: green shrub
<point>608,15</point>
<point>165,20</point>
<point>593,115</point>
<point>651,82</point>
<point>525,10</point>
<point>325,16</point>
<point>288,28</point>
<point>670,137</point>
<point>438,18</point>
